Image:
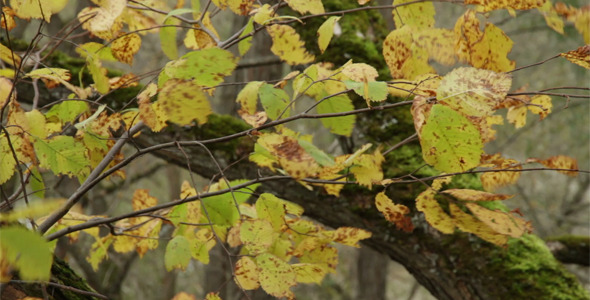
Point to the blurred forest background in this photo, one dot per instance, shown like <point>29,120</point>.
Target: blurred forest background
<point>557,205</point>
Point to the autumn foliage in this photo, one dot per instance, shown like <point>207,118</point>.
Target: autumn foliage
<point>454,114</point>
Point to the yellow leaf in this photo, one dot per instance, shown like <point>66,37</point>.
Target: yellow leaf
<point>5,90</point>
<point>580,56</point>
<point>9,57</point>
<point>324,256</point>
<point>541,105</point>
<point>124,47</point>
<point>551,17</point>
<point>489,5</point>
<point>183,101</point>
<point>473,92</point>
<point>468,223</point>
<point>418,15</point>
<point>246,274</point>
<point>290,155</point>
<point>240,7</point>
<point>435,215</point>
<point>98,251</point>
<point>349,236</point>
<point>493,180</point>
<point>559,162</point>
<point>263,14</point>
<point>360,72</point>
<point>517,116</point>
<point>38,9</point>
<point>483,50</point>
<point>287,45</point>
<point>367,168</point>
<point>276,276</point>
<point>309,273</point>
<point>438,183</point>
<point>199,39</point>
<point>438,42</point>
<point>501,222</point>
<point>325,33</point>
<point>212,296</point>
<point>184,296</point>
<point>313,7</point>
<point>141,199</point>
<point>257,235</point>
<point>101,81</point>
<point>103,21</point>
<point>7,18</point>
<point>7,161</point>
<point>473,195</point>
<point>394,213</point>
<point>404,58</point>
<point>151,114</point>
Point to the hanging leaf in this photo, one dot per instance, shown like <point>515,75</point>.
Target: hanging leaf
<point>178,253</point>
<point>207,67</point>
<point>394,213</point>
<point>275,275</point>
<point>493,5</point>
<point>125,47</point>
<point>404,58</point>
<point>501,222</point>
<point>559,162</point>
<point>27,252</point>
<point>63,155</point>
<point>287,45</point>
<point>434,214</point>
<point>325,33</point>
<point>274,101</point>
<point>313,7</point>
<point>473,195</point>
<point>580,56</point>
<point>473,92</point>
<point>417,15</point>
<point>449,141</point>
<point>483,50</point>
<point>183,101</point>
<point>246,274</point>
<point>469,223</point>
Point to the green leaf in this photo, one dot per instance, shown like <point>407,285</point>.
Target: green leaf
<point>222,208</point>
<point>208,67</point>
<point>67,111</point>
<point>7,162</point>
<point>320,156</point>
<point>272,209</point>
<point>27,251</point>
<point>274,101</point>
<point>168,39</point>
<point>337,125</point>
<point>245,44</point>
<point>178,253</point>
<point>449,141</point>
<point>275,275</point>
<point>94,49</point>
<point>101,81</point>
<point>372,91</point>
<point>37,184</point>
<point>62,155</point>
<point>325,32</point>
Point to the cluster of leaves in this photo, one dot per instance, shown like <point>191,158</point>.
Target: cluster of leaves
<point>453,116</point>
